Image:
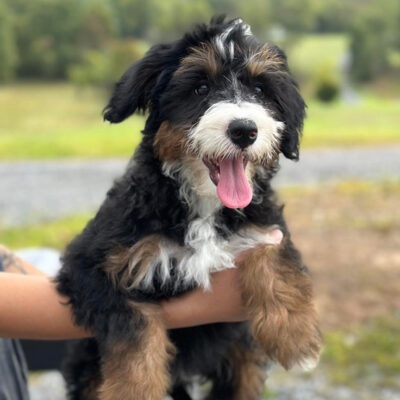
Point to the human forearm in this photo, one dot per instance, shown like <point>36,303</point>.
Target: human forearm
<point>29,304</point>
<point>30,308</point>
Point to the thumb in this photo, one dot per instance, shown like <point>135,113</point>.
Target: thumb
<point>274,236</point>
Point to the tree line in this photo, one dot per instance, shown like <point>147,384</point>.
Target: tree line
<point>91,39</point>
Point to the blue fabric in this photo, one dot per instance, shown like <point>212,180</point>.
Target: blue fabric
<point>13,371</point>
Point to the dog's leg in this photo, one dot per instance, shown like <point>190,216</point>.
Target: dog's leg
<point>81,370</point>
<point>250,374</point>
<point>133,343</point>
<point>278,293</point>
<point>245,375</point>
<point>136,367</point>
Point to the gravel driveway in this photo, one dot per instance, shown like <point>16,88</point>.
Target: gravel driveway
<point>33,191</point>
<point>283,386</point>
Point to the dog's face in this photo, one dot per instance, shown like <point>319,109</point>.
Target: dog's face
<point>219,101</point>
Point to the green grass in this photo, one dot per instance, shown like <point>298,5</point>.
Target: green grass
<point>57,120</point>
<point>371,122</point>
<point>370,354</point>
<point>53,234</point>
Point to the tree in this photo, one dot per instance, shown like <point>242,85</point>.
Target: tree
<point>98,25</point>
<point>54,34</point>
<point>295,15</point>
<point>174,17</point>
<point>135,17</point>
<point>8,51</point>
<point>373,36</point>
<point>335,15</point>
<point>47,37</point>
<point>257,13</point>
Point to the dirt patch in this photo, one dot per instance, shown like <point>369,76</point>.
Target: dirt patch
<point>349,235</point>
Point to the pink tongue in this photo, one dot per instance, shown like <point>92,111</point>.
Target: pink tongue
<point>233,188</point>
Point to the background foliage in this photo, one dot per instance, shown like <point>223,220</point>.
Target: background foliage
<point>60,55</point>
<point>75,39</point>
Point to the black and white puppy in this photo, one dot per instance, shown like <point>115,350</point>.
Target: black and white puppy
<point>221,108</point>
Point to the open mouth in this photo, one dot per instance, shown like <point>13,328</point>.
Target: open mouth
<point>229,175</point>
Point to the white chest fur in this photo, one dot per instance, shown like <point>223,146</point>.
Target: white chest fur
<point>204,251</point>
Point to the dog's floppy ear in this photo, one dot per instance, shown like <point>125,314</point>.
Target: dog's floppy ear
<point>133,91</point>
<point>292,108</point>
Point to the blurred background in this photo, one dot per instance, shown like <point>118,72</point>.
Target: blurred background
<point>58,60</point>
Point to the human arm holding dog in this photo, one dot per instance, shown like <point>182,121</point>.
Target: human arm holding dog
<point>31,308</point>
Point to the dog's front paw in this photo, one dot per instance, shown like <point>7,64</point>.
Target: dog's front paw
<point>290,339</point>
<point>278,294</point>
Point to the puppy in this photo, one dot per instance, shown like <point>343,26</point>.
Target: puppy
<point>221,108</point>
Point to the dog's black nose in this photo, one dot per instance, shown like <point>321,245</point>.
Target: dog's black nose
<point>242,132</point>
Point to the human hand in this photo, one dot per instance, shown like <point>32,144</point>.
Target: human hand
<point>223,303</point>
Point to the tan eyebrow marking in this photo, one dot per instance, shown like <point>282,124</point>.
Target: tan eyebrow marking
<point>265,60</point>
<point>204,56</point>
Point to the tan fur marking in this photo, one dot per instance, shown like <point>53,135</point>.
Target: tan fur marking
<point>170,142</point>
<point>126,267</point>
<point>137,371</point>
<point>204,57</point>
<point>266,60</point>
<point>250,378</point>
<point>279,298</point>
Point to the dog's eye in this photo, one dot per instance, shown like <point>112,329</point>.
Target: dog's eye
<point>202,90</point>
<point>258,90</point>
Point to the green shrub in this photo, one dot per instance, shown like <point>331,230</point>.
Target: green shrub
<point>373,36</point>
<point>327,85</point>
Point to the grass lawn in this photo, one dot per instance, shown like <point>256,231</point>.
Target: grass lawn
<point>58,120</point>
<point>51,234</point>
<point>371,122</point>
